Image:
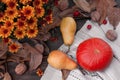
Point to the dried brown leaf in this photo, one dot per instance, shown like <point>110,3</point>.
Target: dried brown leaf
<point>3,57</point>
<point>83,4</point>
<point>2,67</point>
<point>3,48</point>
<point>13,58</point>
<point>1,75</point>
<point>43,35</point>
<point>68,11</point>
<point>95,16</point>
<point>56,11</point>
<point>23,52</point>
<point>7,76</point>
<point>40,48</point>
<point>63,4</point>
<point>102,7</point>
<point>35,59</point>
<point>46,49</point>
<point>93,4</point>
<point>65,74</point>
<point>1,62</point>
<point>113,16</point>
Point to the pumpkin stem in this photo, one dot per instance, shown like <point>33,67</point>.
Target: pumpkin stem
<point>96,51</point>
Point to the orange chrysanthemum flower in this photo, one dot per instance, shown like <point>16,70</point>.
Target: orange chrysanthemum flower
<point>22,17</point>
<point>39,72</point>
<point>31,33</point>
<point>45,1</point>
<point>11,4</point>
<point>40,11</point>
<point>1,25</point>
<point>28,11</point>
<point>6,40</point>
<point>49,19</point>
<point>11,13</point>
<point>9,24</point>
<point>19,34</point>
<point>5,32</point>
<point>37,3</point>
<point>2,16</point>
<point>20,25</point>
<point>32,22</point>
<point>42,22</point>
<point>6,1</point>
<point>25,1</point>
<point>14,47</point>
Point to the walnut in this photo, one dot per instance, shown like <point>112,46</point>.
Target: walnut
<point>111,35</point>
<point>20,68</point>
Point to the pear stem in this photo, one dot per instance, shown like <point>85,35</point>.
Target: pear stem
<point>68,50</point>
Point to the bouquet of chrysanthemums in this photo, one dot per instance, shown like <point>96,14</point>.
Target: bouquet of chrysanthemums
<point>21,40</point>
<point>21,19</point>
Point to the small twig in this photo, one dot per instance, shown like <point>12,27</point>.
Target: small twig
<point>68,50</point>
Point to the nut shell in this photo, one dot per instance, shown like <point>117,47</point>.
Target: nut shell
<point>20,68</point>
<point>111,35</point>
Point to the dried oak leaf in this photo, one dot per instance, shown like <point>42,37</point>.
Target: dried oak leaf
<point>35,57</point>
<point>113,16</point>
<point>65,74</point>
<point>3,48</point>
<point>7,76</point>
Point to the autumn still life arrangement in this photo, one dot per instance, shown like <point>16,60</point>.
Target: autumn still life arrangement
<point>25,25</point>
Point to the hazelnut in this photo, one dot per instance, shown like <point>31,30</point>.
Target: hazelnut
<point>111,35</point>
<point>20,68</point>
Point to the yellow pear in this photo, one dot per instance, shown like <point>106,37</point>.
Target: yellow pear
<point>60,60</point>
<point>68,29</point>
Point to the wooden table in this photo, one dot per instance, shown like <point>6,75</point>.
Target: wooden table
<point>112,72</point>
